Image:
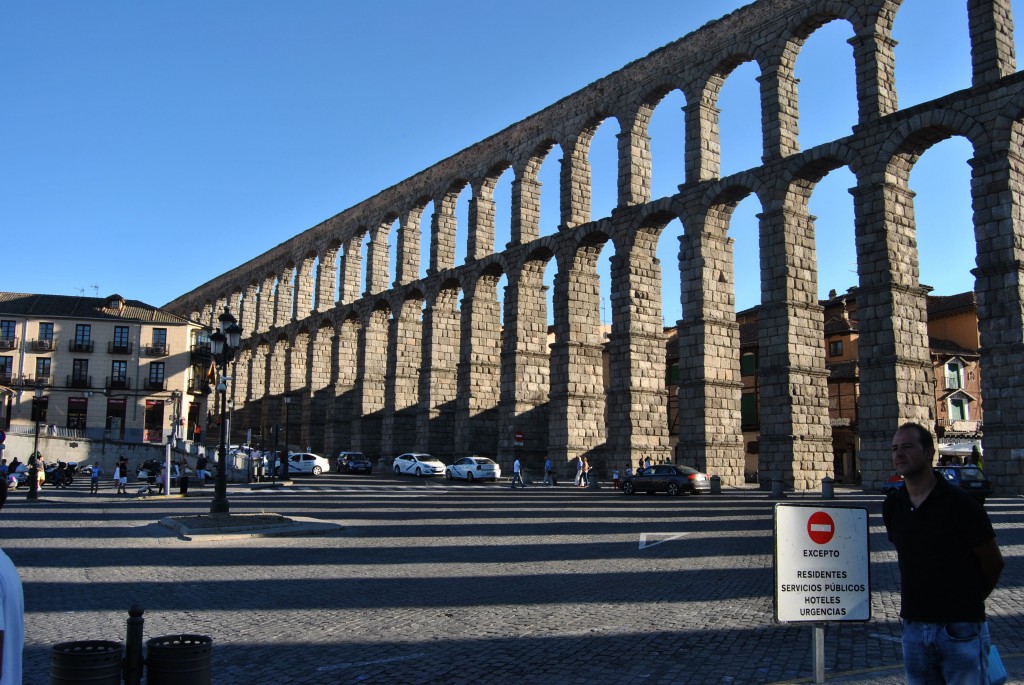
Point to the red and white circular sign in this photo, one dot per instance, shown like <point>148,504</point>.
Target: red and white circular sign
<point>821,527</point>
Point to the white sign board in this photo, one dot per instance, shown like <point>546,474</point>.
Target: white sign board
<point>821,563</point>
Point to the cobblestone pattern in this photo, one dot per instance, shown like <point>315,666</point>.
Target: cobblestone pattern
<point>542,586</point>
<point>881,152</point>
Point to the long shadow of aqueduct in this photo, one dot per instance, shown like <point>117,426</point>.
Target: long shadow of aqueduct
<point>403,366</point>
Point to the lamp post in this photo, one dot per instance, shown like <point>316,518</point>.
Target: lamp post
<point>284,468</point>
<point>223,345</point>
<point>33,472</point>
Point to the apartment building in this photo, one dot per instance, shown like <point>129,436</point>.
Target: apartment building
<point>100,368</point>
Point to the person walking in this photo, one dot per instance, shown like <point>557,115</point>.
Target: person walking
<point>949,564</point>
<point>517,475</point>
<point>94,477</point>
<point>586,472</point>
<point>122,481</point>
<point>548,472</point>
<point>579,471</point>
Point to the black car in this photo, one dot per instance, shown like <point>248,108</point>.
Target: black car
<point>354,462</point>
<point>670,478</point>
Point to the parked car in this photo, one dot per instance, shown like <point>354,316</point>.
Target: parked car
<point>474,468</point>
<point>306,462</point>
<point>670,478</point>
<point>418,463</point>
<point>968,477</point>
<point>354,462</point>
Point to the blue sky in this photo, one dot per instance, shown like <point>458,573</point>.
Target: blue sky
<point>149,147</point>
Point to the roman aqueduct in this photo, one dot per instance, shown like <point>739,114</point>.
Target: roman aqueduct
<point>401,362</point>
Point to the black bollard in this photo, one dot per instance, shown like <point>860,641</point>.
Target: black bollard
<point>133,646</point>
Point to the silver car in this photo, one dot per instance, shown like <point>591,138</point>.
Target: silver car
<point>418,464</point>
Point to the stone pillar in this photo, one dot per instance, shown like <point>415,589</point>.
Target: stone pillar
<point>249,310</point>
<point>341,411</point>
<point>401,388</point>
<point>321,390</point>
<point>435,424</point>
<point>998,197</point>
<point>326,277</point>
<point>703,157</point>
<point>284,300</point>
<point>574,180</point>
<point>443,233</point>
<point>207,317</point>
<point>525,366</point>
<point>874,52</point>
<point>780,112</point>
<point>479,372</point>
<point>298,387</point>
<point>637,398</point>
<point>407,265</point>
<point>525,225</point>
<point>481,221</point>
<point>577,397</point>
<point>351,269</point>
<point>634,187</point>
<point>377,268</point>
<point>895,368</point>
<point>992,48</point>
<point>795,443</point>
<point>304,288</point>
<point>369,390</point>
<point>265,318</point>
<point>710,387</point>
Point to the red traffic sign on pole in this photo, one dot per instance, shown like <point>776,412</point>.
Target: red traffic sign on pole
<point>518,438</point>
<point>821,527</point>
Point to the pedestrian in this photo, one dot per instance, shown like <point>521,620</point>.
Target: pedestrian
<point>122,481</point>
<point>615,478</point>
<point>579,471</point>
<point>647,462</point>
<point>517,475</point>
<point>12,622</point>
<point>548,472</point>
<point>949,563</point>
<point>201,469</point>
<point>94,477</point>
<point>586,472</point>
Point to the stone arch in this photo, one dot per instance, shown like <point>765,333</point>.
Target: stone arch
<point>576,191</point>
<point>636,157</point>
<point>444,228</point>
<point>526,193</point>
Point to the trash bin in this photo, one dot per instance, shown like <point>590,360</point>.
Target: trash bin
<point>178,660</point>
<point>183,484</point>
<point>97,662</point>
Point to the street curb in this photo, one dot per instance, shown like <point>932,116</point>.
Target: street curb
<point>294,526</point>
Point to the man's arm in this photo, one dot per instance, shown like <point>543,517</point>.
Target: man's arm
<point>991,561</point>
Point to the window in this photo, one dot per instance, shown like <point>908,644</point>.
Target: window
<point>159,337</point>
<point>80,373</point>
<point>748,364</point>
<point>958,409</point>
<point>954,375</point>
<point>6,369</point>
<point>835,348</point>
<point>46,331</point>
<point>83,338</point>
<point>78,408</point>
<point>121,344</point>
<point>8,339</point>
<point>748,409</point>
<point>154,421</point>
<point>115,418</point>
<point>119,374</point>
<point>156,376</point>
<point>43,368</point>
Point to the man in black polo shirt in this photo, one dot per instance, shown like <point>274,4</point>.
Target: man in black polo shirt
<point>949,563</point>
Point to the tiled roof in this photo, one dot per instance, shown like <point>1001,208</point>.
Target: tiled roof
<point>947,305</point>
<point>843,371</point>
<point>839,325</point>
<point>947,347</point>
<point>76,307</point>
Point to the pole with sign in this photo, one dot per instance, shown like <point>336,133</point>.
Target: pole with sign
<point>822,570</point>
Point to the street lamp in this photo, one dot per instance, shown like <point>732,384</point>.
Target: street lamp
<point>223,345</point>
<point>33,472</point>
<point>284,468</point>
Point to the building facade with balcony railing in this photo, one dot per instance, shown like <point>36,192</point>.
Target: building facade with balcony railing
<point>130,386</point>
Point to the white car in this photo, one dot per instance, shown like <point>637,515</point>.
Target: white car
<point>306,462</point>
<point>418,464</point>
<point>474,468</point>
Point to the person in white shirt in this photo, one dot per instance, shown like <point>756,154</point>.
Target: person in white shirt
<point>517,475</point>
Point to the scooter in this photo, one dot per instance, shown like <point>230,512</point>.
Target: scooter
<point>59,476</point>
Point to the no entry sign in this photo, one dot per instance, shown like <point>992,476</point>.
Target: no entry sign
<point>821,563</point>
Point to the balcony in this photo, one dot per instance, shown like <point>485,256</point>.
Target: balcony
<point>5,379</point>
<point>201,354</point>
<point>80,345</point>
<point>115,347</point>
<point>152,384</point>
<point>198,387</point>
<point>8,343</point>
<point>156,350</point>
<point>118,383</point>
<point>44,345</point>
<point>78,381</point>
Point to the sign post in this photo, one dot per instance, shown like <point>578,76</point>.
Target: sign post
<point>822,570</point>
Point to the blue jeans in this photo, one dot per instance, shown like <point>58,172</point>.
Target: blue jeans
<point>951,653</point>
<point>518,478</point>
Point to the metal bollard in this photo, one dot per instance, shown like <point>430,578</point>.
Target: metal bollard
<point>716,485</point>
<point>133,646</point>
<point>777,488</point>
<point>828,488</point>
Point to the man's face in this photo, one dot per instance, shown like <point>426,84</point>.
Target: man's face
<point>909,458</point>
